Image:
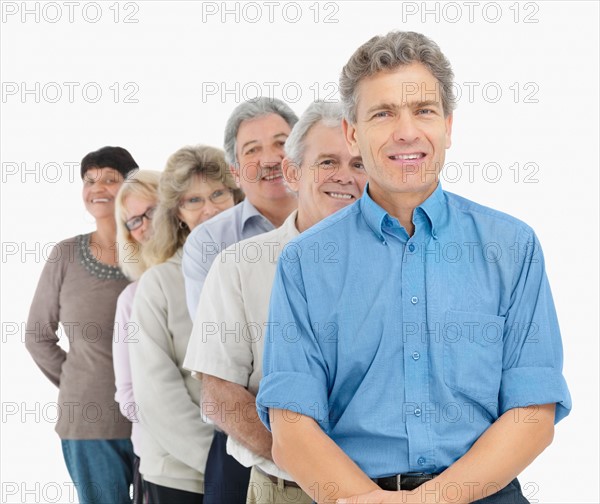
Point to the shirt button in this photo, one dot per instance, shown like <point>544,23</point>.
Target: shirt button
<point>414,300</point>
<point>411,248</point>
<point>418,412</point>
<point>416,355</point>
<point>421,461</point>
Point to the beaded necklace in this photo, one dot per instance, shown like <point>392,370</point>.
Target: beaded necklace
<point>95,267</point>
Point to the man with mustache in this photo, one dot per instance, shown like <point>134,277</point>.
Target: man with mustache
<point>227,340</point>
<point>255,134</point>
<point>442,378</point>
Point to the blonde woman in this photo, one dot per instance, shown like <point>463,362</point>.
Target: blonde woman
<point>134,207</point>
<point>195,186</point>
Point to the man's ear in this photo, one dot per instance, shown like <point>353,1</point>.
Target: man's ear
<point>448,122</point>
<point>350,136</point>
<point>291,173</point>
<point>235,173</point>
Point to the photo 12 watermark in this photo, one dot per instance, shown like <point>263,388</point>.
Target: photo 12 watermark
<point>70,92</point>
<point>91,332</point>
<point>490,92</point>
<point>470,12</point>
<point>69,12</point>
<point>270,12</point>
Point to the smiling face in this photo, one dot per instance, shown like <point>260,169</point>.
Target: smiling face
<point>136,206</point>
<point>100,187</point>
<point>204,199</point>
<point>259,152</point>
<point>401,132</point>
<point>330,178</point>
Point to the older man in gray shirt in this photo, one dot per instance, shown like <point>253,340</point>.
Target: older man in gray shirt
<point>255,135</point>
<point>226,345</point>
<point>254,138</point>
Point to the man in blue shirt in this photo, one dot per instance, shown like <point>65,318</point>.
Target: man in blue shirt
<point>421,361</point>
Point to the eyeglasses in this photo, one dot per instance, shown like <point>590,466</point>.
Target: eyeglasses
<point>135,222</point>
<point>197,202</point>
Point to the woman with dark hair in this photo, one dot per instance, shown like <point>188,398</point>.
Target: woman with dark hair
<point>78,289</point>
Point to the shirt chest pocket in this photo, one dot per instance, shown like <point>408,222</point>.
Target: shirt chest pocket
<point>473,354</point>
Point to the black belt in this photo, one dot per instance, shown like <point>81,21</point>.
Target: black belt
<point>408,481</point>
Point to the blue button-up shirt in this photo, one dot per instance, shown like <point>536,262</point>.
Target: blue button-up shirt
<point>405,349</point>
<point>208,239</point>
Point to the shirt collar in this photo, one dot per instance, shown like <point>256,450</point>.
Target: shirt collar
<point>249,211</point>
<point>374,215</point>
<point>289,226</point>
<point>433,208</point>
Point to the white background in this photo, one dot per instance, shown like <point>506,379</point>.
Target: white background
<point>168,55</point>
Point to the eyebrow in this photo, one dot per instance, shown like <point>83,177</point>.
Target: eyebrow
<point>325,155</point>
<point>427,103</point>
<point>395,106</point>
<point>249,142</point>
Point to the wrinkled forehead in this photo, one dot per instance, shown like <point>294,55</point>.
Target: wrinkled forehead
<point>261,127</point>
<point>325,139</point>
<point>401,86</point>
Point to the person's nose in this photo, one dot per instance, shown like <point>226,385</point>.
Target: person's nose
<point>210,209</point>
<point>271,157</point>
<point>405,128</point>
<point>145,225</point>
<point>343,174</point>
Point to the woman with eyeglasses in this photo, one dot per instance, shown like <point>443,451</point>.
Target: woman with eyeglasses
<point>78,289</point>
<point>135,205</point>
<point>195,185</point>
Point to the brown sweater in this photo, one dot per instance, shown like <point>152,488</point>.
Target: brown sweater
<point>80,293</point>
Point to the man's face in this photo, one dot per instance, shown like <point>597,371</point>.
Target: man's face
<point>259,151</point>
<point>330,178</point>
<point>400,131</point>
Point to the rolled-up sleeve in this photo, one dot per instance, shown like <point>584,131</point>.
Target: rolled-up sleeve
<point>533,356</point>
<point>216,345</point>
<point>294,370</point>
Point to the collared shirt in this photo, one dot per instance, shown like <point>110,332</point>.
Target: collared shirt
<point>228,335</point>
<point>208,239</point>
<point>405,349</point>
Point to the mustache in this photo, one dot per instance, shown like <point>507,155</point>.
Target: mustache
<point>261,171</point>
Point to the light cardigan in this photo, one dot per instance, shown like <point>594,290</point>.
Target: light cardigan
<point>175,441</point>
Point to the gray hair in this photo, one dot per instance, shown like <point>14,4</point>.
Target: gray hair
<point>388,52</point>
<point>250,110</point>
<point>329,113</point>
